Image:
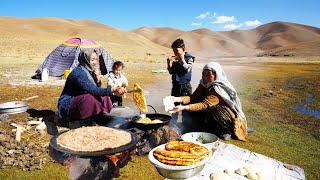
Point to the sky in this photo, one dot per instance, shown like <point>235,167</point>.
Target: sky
<point>217,15</point>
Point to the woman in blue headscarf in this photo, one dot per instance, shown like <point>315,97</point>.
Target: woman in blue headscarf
<point>82,96</point>
<point>219,104</point>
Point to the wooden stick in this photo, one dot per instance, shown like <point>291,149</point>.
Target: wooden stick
<point>34,122</point>
<point>29,98</point>
<point>18,133</point>
<point>17,126</point>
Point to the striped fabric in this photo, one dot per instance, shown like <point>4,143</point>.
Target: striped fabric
<point>66,56</point>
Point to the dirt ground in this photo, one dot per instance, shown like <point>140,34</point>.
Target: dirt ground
<point>264,88</point>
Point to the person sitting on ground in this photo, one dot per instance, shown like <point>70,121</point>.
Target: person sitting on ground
<point>180,68</point>
<point>82,97</point>
<point>116,78</point>
<point>217,103</point>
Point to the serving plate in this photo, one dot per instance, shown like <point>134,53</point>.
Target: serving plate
<point>178,172</point>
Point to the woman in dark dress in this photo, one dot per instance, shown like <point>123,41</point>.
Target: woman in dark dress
<point>215,105</point>
<point>82,97</point>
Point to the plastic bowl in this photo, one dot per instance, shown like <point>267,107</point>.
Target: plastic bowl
<point>199,137</point>
<point>178,172</point>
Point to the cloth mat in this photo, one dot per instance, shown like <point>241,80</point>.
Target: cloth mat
<point>231,157</point>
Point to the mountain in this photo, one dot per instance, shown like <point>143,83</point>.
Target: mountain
<point>162,36</point>
<point>201,42</point>
<point>37,37</point>
<point>207,43</point>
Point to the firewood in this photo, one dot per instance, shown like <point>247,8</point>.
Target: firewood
<point>34,122</point>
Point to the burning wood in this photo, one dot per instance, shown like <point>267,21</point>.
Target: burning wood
<point>95,167</point>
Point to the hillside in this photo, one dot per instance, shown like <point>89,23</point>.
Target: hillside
<point>36,37</point>
<point>207,43</point>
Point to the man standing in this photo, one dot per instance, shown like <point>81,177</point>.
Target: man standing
<point>180,68</point>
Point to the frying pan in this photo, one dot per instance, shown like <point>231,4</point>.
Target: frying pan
<point>162,117</point>
<point>53,143</point>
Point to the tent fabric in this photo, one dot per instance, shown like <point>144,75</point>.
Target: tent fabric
<point>65,56</point>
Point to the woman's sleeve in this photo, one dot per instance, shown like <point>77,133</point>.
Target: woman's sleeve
<point>210,100</point>
<point>195,94</point>
<point>84,83</point>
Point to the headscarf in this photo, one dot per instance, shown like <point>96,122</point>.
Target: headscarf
<point>224,88</point>
<point>84,62</point>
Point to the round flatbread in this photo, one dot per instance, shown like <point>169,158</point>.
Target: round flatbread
<point>93,139</point>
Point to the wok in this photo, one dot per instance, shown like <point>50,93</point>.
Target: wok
<point>162,117</point>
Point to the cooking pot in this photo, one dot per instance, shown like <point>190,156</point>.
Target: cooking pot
<point>153,116</point>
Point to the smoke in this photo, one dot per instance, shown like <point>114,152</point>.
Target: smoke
<point>92,168</point>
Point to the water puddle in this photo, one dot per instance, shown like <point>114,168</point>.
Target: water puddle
<point>303,108</point>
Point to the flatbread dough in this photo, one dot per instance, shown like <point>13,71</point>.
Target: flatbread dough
<point>93,139</point>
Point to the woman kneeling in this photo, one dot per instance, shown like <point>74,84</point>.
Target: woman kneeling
<point>82,97</point>
<point>215,105</point>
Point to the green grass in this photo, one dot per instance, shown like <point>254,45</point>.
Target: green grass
<point>50,171</point>
<point>280,132</point>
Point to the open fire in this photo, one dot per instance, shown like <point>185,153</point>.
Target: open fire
<point>92,167</point>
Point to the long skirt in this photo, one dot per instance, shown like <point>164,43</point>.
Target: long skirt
<point>216,120</point>
<point>86,106</point>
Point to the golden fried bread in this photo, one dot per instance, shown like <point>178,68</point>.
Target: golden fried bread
<point>186,147</point>
<point>139,98</point>
<point>181,153</point>
<point>175,154</point>
<point>161,157</point>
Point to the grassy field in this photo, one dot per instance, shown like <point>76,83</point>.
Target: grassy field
<point>268,102</point>
<point>280,132</point>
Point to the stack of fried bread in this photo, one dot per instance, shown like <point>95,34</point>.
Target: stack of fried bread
<point>181,153</point>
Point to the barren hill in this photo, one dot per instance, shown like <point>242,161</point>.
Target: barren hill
<point>280,39</point>
<point>36,37</point>
<point>310,48</point>
<point>280,34</point>
<point>207,43</point>
<point>201,42</point>
<point>162,36</point>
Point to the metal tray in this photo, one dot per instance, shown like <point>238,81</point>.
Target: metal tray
<point>13,107</point>
<point>53,143</point>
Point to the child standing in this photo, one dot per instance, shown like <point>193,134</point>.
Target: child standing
<point>116,78</point>
<point>180,68</point>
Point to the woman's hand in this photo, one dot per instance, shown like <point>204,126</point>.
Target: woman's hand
<point>180,108</point>
<point>98,75</point>
<point>119,90</point>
